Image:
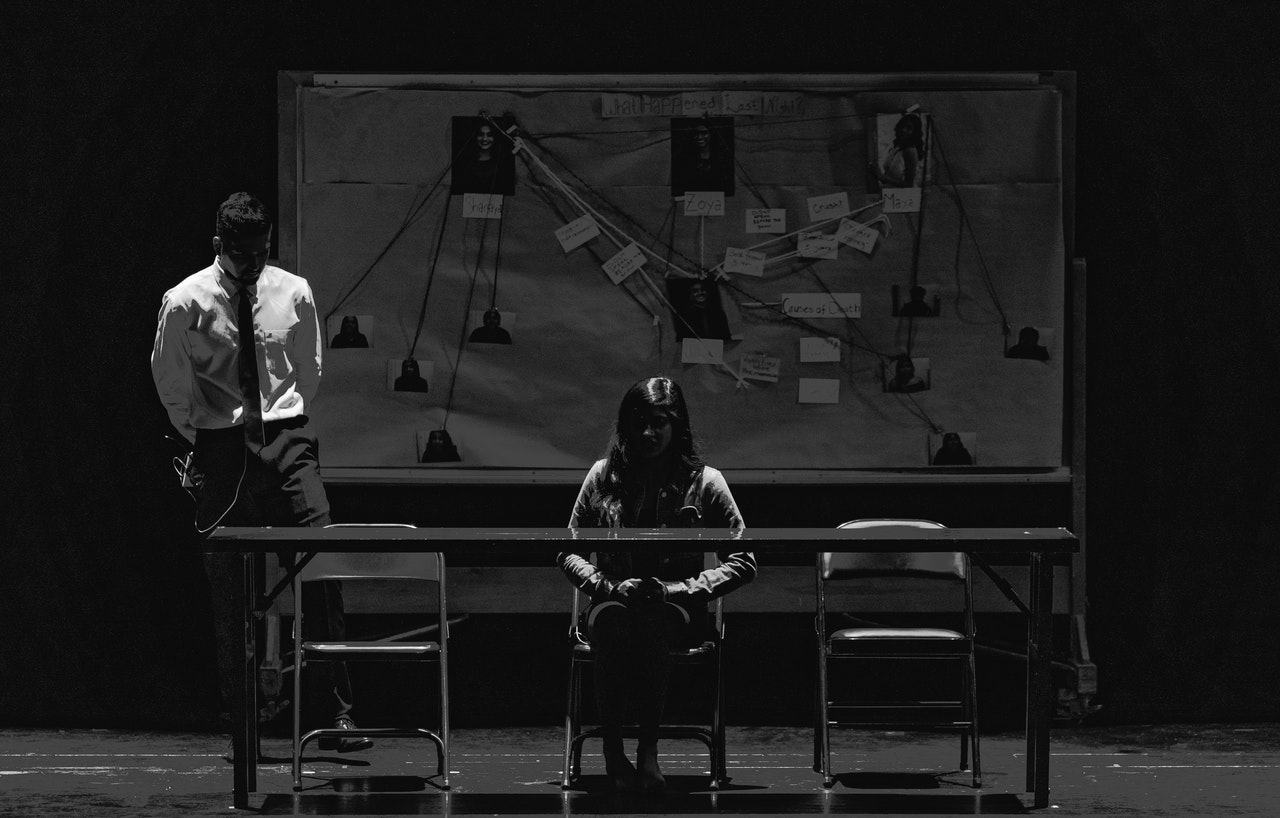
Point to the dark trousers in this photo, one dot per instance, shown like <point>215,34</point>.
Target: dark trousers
<point>279,486</point>
<point>632,650</point>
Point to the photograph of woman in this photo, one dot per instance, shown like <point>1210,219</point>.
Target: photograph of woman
<point>483,162</point>
<point>699,312</point>
<point>644,604</point>
<point>899,160</point>
<point>900,374</point>
<point>702,155</point>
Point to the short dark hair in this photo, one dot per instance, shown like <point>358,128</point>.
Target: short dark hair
<point>242,215</point>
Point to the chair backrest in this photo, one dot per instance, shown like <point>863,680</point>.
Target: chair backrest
<point>372,565</point>
<point>710,559</point>
<point>945,565</point>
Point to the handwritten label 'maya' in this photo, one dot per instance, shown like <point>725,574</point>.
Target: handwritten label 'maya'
<point>901,200</point>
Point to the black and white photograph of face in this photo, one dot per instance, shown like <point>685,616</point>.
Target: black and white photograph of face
<point>904,373</point>
<point>953,449</point>
<point>702,151</point>
<point>1033,344</point>
<point>483,161</point>
<point>351,332</point>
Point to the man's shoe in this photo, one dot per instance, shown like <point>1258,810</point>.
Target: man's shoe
<point>342,744</point>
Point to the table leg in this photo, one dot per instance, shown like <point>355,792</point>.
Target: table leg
<point>244,740</point>
<point>1039,676</point>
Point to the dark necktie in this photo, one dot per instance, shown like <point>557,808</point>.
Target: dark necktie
<point>250,392</point>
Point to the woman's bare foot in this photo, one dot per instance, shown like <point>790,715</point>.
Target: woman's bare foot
<point>649,775</point>
<point>619,769</point>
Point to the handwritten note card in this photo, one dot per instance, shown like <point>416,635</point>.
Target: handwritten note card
<point>702,351</point>
<point>817,245</point>
<point>746,262</point>
<point>766,220</point>
<point>629,105</point>
<point>819,350</point>
<point>625,262</point>
<point>901,200</point>
<point>762,103</point>
<point>758,366</point>
<point>858,236</point>
<point>482,206</point>
<point>819,390</point>
<point>824,208</point>
<point>704,203</point>
<point>822,305</point>
<point>577,233</point>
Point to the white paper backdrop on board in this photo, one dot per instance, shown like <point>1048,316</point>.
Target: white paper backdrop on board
<point>375,241</point>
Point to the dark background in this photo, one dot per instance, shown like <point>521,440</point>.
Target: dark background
<point>126,125</point>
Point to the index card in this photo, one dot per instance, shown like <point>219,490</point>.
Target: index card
<point>817,245</point>
<point>901,200</point>
<point>819,390</point>
<point>577,233</point>
<point>704,203</point>
<point>825,208</point>
<point>702,351</point>
<point>759,366</point>
<point>766,220</point>
<point>819,350</point>
<point>623,263</point>
<point>746,262</point>
<point>858,236</point>
<point>482,205</point>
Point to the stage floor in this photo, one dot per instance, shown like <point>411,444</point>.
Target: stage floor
<point>1219,770</point>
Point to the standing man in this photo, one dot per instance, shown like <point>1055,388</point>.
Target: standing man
<point>237,363</point>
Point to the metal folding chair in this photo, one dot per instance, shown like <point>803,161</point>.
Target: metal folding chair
<point>428,572</point>
<point>917,646</point>
<point>708,654</point>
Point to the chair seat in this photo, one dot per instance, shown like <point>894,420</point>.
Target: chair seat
<point>906,640</point>
<point>581,650</point>
<point>396,651</point>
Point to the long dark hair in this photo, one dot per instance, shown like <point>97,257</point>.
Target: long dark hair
<point>916,141</point>
<point>621,482</point>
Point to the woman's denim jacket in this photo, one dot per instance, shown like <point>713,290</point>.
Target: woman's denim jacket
<point>701,499</point>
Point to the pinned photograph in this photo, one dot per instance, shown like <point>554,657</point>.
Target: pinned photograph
<point>409,375</point>
<point>953,449</point>
<point>906,374</point>
<point>702,154</point>
<point>921,301</point>
<point>1033,344</point>
<point>489,327</point>
<point>436,446</point>
<point>354,332</point>
<point>699,312</point>
<point>899,146</point>
<point>482,157</point>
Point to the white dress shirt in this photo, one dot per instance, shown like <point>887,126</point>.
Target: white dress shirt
<point>195,361</point>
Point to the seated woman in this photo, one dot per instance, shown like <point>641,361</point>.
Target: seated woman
<point>644,603</point>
